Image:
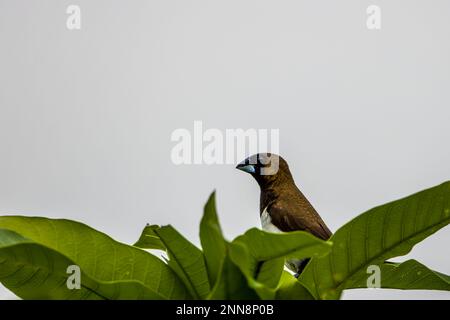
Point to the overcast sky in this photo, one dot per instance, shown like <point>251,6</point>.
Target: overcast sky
<point>86,116</point>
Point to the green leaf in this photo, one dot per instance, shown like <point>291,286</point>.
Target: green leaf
<point>212,240</point>
<point>42,249</point>
<point>149,239</point>
<point>260,255</point>
<point>231,283</point>
<point>269,273</point>
<point>255,271</point>
<point>381,233</point>
<point>291,289</point>
<point>297,244</point>
<point>409,275</point>
<point>226,278</point>
<point>412,275</point>
<point>186,260</point>
<point>33,271</point>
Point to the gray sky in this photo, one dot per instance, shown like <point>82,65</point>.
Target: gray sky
<point>86,115</point>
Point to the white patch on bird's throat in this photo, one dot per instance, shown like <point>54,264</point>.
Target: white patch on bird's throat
<point>266,222</point>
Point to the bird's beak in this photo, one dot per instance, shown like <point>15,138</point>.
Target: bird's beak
<point>249,168</point>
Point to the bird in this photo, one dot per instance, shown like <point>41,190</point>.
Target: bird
<point>282,205</point>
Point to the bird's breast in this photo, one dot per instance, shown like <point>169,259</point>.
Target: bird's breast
<point>267,225</point>
<point>266,222</point>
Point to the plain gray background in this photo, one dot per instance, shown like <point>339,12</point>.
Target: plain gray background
<point>86,116</point>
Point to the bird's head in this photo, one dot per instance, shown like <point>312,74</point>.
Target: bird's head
<point>267,168</point>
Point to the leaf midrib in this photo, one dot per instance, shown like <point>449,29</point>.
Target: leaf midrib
<point>391,248</point>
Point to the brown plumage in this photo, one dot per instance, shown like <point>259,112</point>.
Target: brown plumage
<point>282,204</point>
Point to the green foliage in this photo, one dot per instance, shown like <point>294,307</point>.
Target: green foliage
<point>213,243</point>
<point>291,289</point>
<point>409,275</point>
<point>261,255</point>
<point>149,239</point>
<point>187,261</point>
<point>384,232</point>
<point>35,254</point>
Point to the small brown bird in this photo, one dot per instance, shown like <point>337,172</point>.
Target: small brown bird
<point>283,207</point>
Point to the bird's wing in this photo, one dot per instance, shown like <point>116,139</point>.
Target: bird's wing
<point>301,217</point>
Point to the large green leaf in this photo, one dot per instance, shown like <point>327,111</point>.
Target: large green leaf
<point>260,255</point>
<point>212,240</point>
<point>381,233</point>
<point>262,276</point>
<point>186,260</point>
<point>409,275</point>
<point>265,245</point>
<point>100,258</point>
<point>231,283</point>
<point>228,281</point>
<point>33,271</point>
<point>291,289</point>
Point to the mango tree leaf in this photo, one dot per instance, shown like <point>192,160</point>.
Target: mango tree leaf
<point>409,275</point>
<point>226,278</point>
<point>186,260</point>
<point>252,269</point>
<point>149,239</point>
<point>100,258</point>
<point>381,233</point>
<point>33,271</point>
<point>231,283</point>
<point>291,289</point>
<point>212,240</point>
<point>297,244</point>
<point>269,273</point>
<point>260,255</point>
